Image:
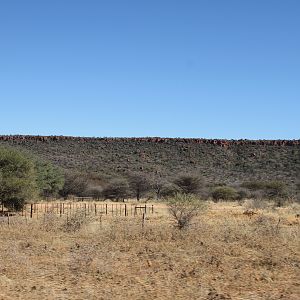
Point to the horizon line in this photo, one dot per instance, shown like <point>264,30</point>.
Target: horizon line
<point>137,137</point>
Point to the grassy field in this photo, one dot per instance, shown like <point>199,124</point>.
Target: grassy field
<point>225,254</point>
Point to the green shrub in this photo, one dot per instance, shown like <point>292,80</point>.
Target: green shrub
<point>224,193</point>
<point>276,189</point>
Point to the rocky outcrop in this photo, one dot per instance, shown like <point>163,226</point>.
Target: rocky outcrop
<point>219,142</point>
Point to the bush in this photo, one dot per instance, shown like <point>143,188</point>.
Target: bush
<point>276,189</point>
<point>255,204</point>
<point>169,190</point>
<point>253,185</point>
<point>242,194</point>
<point>224,193</point>
<point>183,208</point>
<point>75,222</point>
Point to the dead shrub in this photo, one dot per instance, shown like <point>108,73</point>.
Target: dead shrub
<point>255,204</point>
<point>184,208</point>
<point>75,221</point>
<point>50,221</point>
<point>81,257</point>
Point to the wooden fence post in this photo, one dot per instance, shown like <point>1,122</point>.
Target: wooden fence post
<point>31,210</point>
<point>143,220</point>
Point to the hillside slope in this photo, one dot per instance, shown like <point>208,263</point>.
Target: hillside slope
<point>228,161</point>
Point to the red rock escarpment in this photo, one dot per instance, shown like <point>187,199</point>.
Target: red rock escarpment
<point>219,142</point>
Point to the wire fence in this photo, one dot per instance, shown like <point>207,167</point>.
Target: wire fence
<point>69,209</point>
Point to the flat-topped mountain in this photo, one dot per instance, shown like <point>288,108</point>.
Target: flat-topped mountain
<point>216,160</point>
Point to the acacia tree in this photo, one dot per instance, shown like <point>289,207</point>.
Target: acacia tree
<point>189,184</point>
<point>138,184</point>
<point>117,189</point>
<point>17,178</point>
<point>157,183</point>
<point>75,184</point>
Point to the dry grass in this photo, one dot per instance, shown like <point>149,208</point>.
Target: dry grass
<point>224,255</point>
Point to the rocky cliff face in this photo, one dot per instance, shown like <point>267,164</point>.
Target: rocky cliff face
<point>220,142</point>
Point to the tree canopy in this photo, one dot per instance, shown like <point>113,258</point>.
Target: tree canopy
<point>50,179</point>
<point>17,178</point>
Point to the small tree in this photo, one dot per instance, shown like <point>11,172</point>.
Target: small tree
<point>224,193</point>
<point>189,184</point>
<point>75,184</point>
<point>139,185</point>
<point>157,183</point>
<point>117,189</point>
<point>184,208</point>
<point>169,190</point>
<point>276,190</point>
<point>50,179</point>
<point>17,178</point>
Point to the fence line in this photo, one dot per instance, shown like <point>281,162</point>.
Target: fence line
<point>38,210</point>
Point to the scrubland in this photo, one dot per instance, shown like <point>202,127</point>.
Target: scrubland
<point>224,254</point>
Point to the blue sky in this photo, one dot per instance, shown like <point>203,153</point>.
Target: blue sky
<point>194,68</point>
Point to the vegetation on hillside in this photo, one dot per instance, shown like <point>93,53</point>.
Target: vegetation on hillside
<point>119,169</point>
<point>231,163</point>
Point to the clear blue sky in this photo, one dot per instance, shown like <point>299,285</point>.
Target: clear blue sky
<point>189,68</point>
